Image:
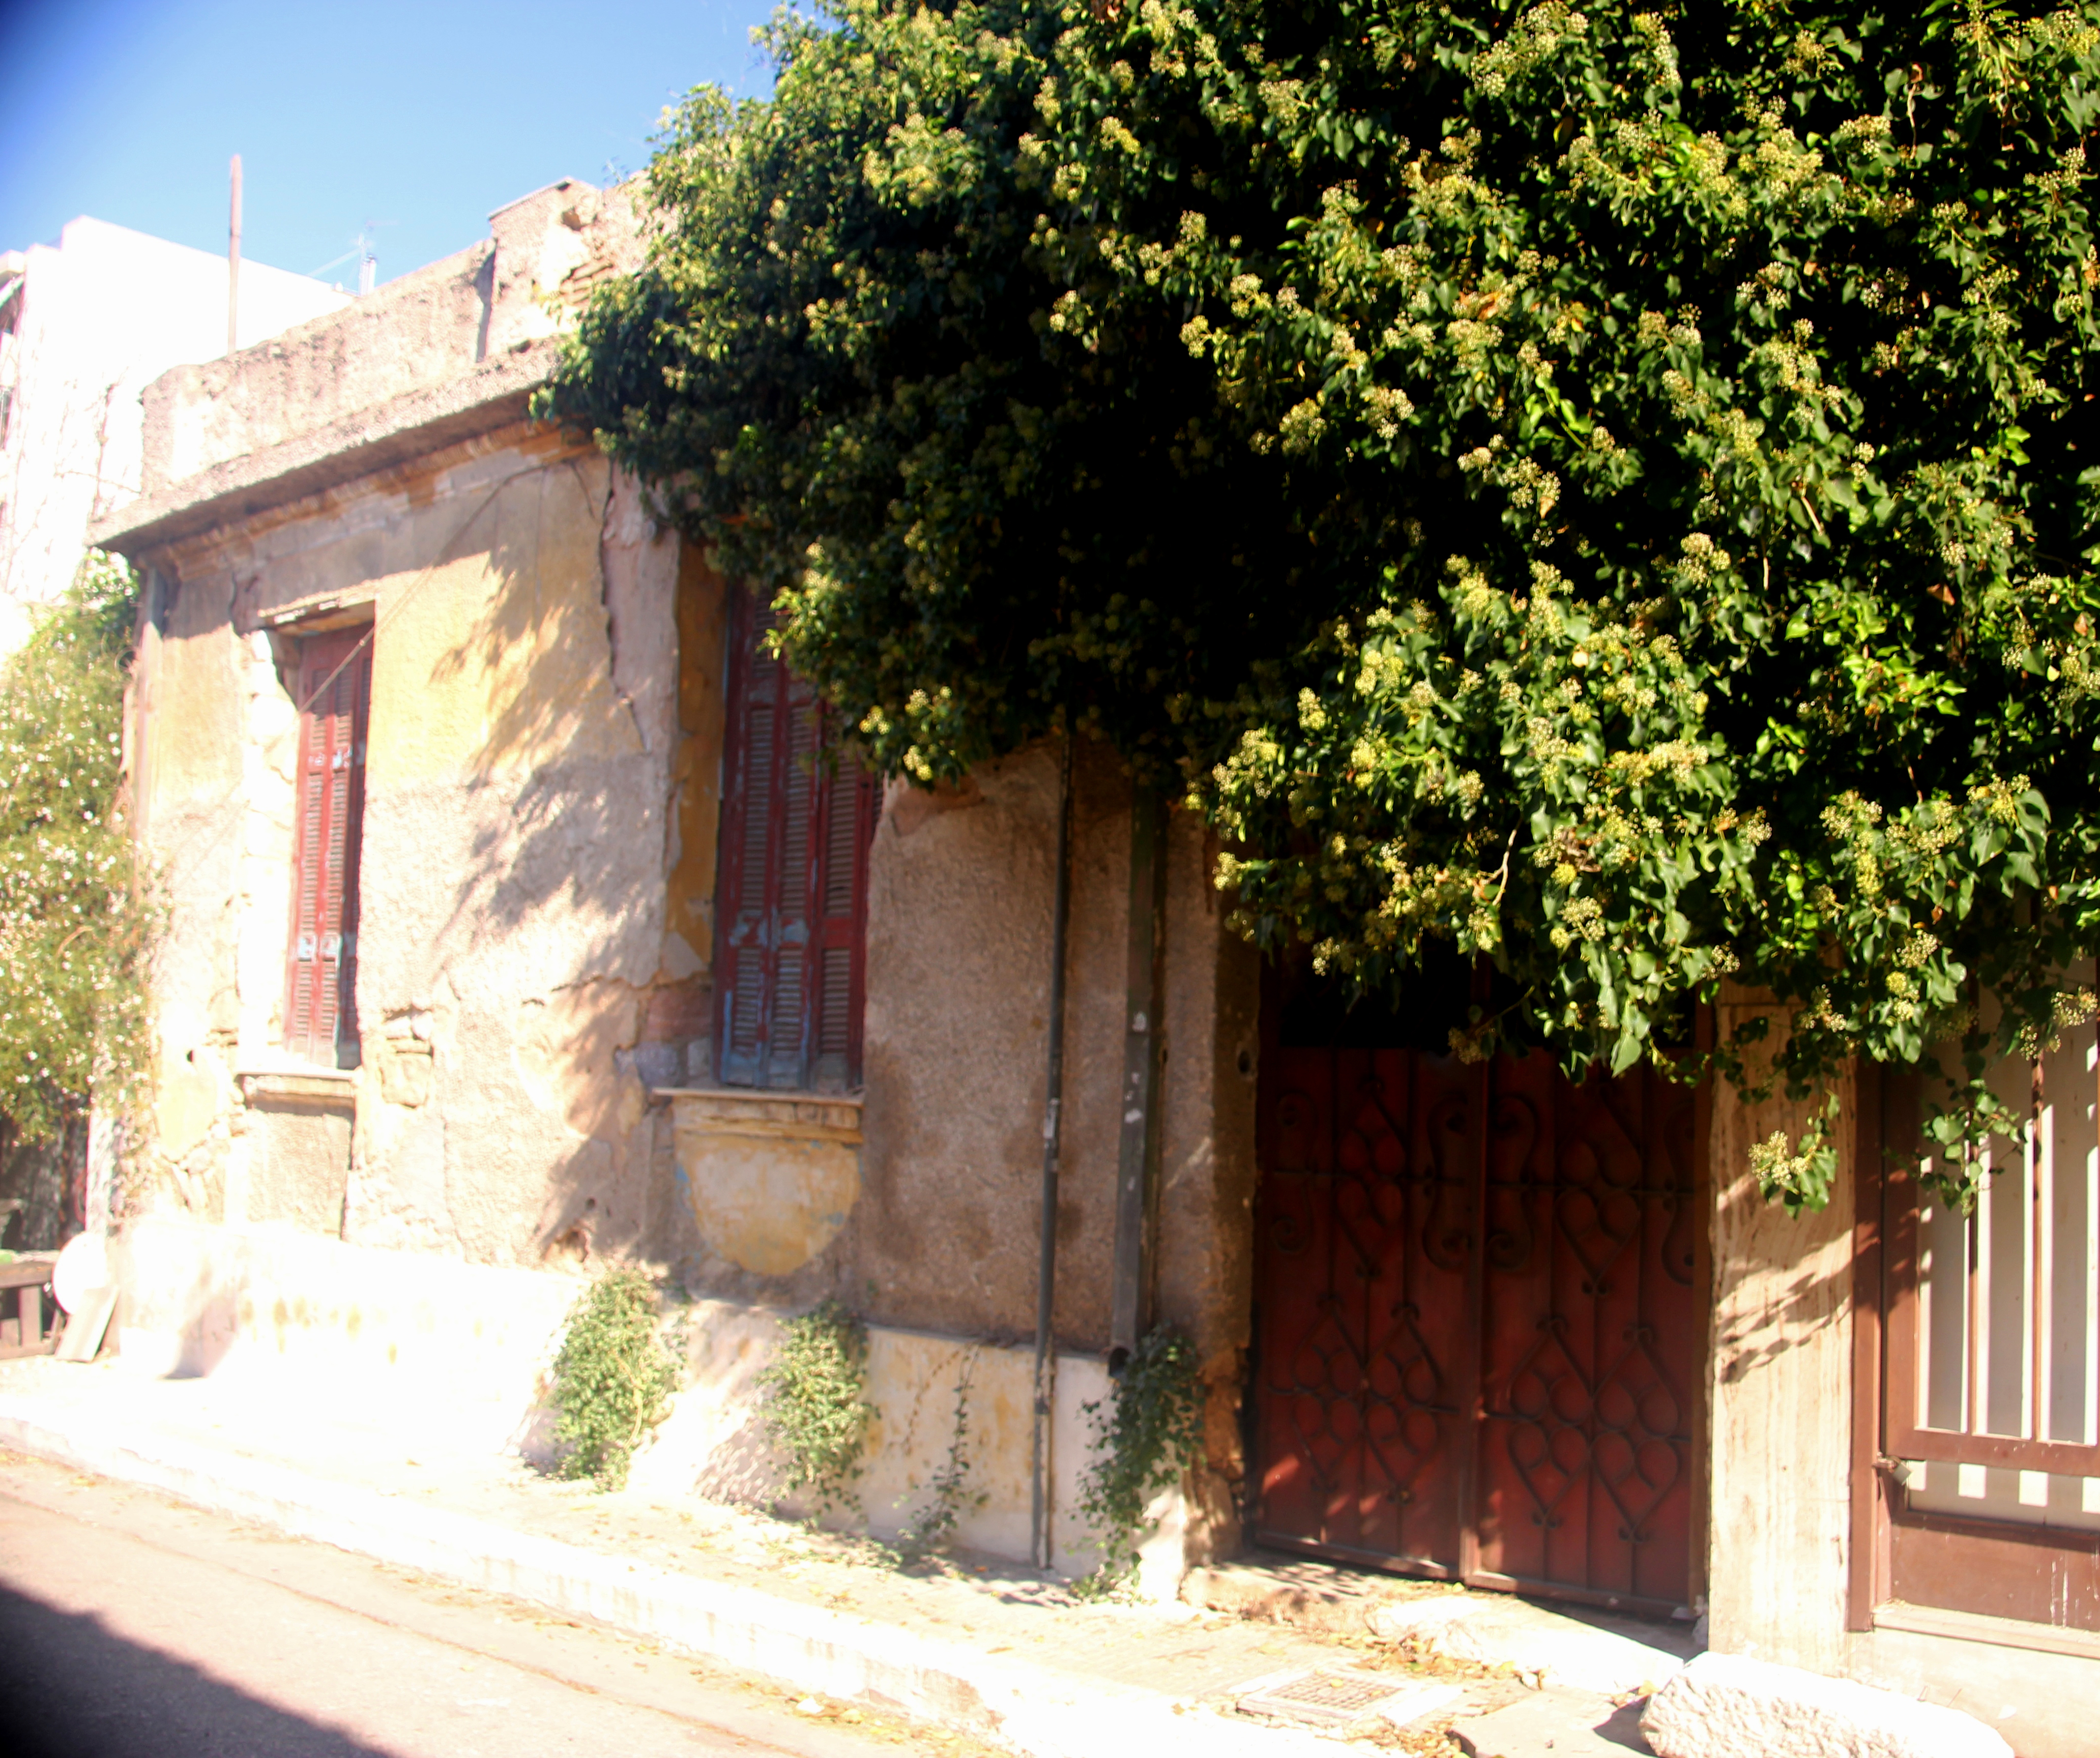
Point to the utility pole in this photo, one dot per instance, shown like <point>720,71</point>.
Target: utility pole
<point>233,267</point>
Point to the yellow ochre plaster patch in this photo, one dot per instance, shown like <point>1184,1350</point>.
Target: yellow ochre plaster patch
<point>768,1204</point>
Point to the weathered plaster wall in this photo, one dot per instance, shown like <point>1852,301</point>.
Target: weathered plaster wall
<point>513,949</point>
<point>936,1227</point>
<point>945,1236</point>
<point>546,252</point>
<point>296,1165</point>
<point>191,785</point>
<point>1204,1278</point>
<point>1780,1392</point>
<point>414,331</point>
<point>455,1356</point>
<point>943,1232</point>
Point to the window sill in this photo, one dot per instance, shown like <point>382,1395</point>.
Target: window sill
<point>333,1086</point>
<point>1975,1626</point>
<point>762,1112</point>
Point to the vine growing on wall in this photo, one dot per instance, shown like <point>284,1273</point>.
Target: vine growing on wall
<point>1605,491</point>
<point>1145,1437</point>
<point>814,1401</point>
<point>931,1527</point>
<point>613,1378</point>
<point>74,917</point>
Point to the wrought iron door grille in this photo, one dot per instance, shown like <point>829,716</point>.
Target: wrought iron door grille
<point>1479,1329</point>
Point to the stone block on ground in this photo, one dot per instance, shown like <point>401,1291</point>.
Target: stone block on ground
<point>1553,1724</point>
<point>1729,1706</point>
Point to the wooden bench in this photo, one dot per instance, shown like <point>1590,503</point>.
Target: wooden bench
<point>30,1322</point>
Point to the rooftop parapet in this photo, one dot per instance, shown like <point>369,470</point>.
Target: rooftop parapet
<point>303,410</point>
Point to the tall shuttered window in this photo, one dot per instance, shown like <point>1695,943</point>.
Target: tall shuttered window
<point>333,693</point>
<point>791,900</point>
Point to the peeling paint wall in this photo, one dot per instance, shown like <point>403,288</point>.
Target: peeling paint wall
<point>959,978</point>
<point>514,960</point>
<point>942,1233</point>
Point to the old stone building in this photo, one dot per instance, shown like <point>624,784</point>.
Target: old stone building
<point>516,924</point>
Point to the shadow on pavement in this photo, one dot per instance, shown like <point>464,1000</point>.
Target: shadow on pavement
<point>68,1689</point>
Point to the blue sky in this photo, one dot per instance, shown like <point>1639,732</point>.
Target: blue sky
<point>416,116</point>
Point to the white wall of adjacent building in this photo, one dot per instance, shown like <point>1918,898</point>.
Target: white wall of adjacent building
<point>84,325</point>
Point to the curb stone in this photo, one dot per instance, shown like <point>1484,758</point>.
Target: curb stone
<point>1035,1712</point>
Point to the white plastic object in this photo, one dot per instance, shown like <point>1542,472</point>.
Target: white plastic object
<point>82,1270</point>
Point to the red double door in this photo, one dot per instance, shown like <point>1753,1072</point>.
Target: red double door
<point>1479,1321</point>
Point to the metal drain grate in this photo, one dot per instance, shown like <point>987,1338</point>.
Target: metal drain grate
<point>1340,1696</point>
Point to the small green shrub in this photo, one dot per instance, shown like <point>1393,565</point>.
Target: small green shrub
<point>1145,1439</point>
<point>814,1401</point>
<point>613,1378</point>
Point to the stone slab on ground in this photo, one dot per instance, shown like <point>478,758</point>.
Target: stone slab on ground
<point>1553,1724</point>
<point>1730,1706</point>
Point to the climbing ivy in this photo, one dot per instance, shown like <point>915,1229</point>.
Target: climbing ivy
<point>814,1403</point>
<point>931,1530</point>
<point>613,1378</point>
<point>1606,491</point>
<point>1144,1439</point>
<point>74,921</point>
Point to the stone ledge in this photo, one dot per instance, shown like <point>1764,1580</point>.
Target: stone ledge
<point>328,1087</point>
<point>491,394</point>
<point>1976,1627</point>
<point>752,1111</point>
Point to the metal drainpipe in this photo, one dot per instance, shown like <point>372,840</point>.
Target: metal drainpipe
<point>1046,1274</point>
<point>1137,1161</point>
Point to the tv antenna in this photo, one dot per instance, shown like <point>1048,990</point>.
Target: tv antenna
<point>365,248</point>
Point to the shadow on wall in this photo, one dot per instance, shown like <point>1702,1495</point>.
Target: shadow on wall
<point>713,1443</point>
<point>571,651</point>
<point>523,811</point>
<point>1790,1316</point>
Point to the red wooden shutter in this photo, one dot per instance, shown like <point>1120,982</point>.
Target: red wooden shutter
<point>847,803</point>
<point>334,692</point>
<point>791,903</point>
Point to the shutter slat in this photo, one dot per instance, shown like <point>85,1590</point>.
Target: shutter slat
<point>784,1065</point>
<point>840,813</point>
<point>837,1002</point>
<point>795,791</point>
<point>748,983</point>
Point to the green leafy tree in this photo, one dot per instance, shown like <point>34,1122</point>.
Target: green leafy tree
<point>73,923</point>
<point>1607,492</point>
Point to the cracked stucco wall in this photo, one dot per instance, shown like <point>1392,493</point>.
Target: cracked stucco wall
<point>530,774</point>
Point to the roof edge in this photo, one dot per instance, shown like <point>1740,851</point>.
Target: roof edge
<point>360,444</point>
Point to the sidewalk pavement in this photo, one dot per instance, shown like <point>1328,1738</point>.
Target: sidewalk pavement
<point>973,1645</point>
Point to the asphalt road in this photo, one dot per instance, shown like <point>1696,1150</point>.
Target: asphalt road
<point>131,1627</point>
